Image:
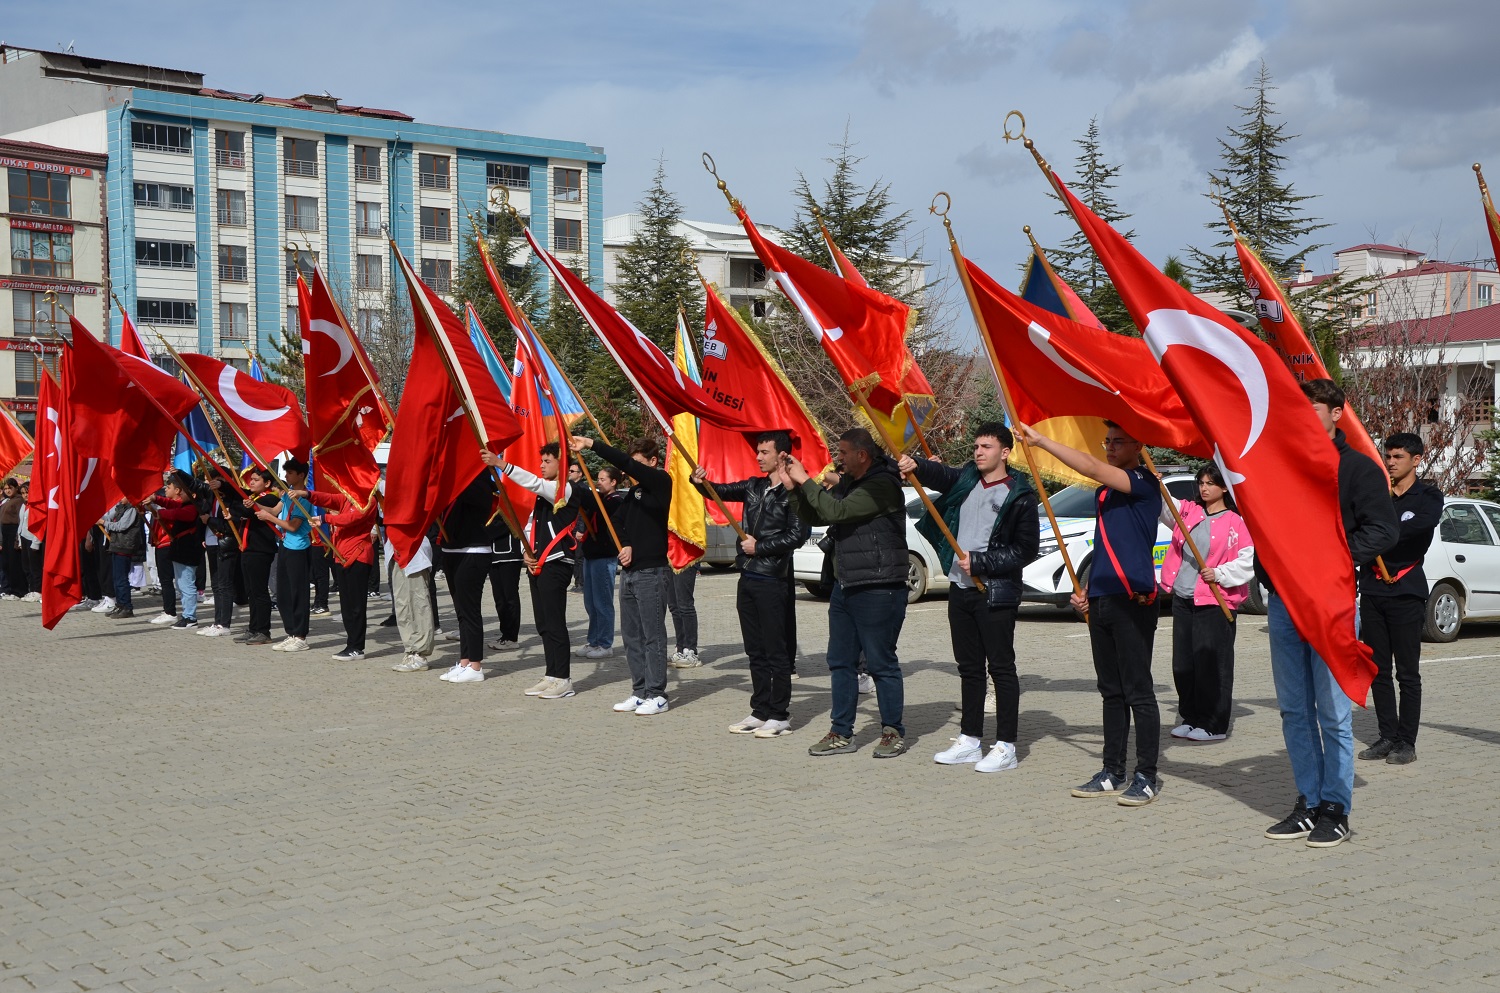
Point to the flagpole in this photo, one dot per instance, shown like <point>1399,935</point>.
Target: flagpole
<point>1009,402</point>
<point>1187,537</point>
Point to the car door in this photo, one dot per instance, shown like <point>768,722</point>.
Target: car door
<point>1469,540</point>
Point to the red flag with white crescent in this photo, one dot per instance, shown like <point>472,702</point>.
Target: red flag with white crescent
<point>130,339</point>
<point>15,443</point>
<point>67,503</point>
<point>264,416</point>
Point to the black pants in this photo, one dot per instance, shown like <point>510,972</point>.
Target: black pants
<point>466,572</point>
<point>549,608</point>
<point>317,571</point>
<point>791,616</point>
<point>761,602</point>
<point>105,562</point>
<point>291,590</point>
<point>505,587</point>
<point>682,602</point>
<point>225,595</point>
<point>32,557</point>
<point>984,646</point>
<point>201,569</point>
<point>10,560</point>
<point>165,580</point>
<point>88,570</point>
<point>1392,627</point>
<point>257,569</point>
<point>1203,664</point>
<point>1121,633</point>
<point>354,603</point>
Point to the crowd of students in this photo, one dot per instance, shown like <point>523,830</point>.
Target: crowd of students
<point>589,536</point>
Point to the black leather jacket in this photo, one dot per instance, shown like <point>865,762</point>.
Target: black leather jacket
<point>770,518</point>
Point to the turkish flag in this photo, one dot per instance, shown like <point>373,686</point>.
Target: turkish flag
<point>346,414</point>
<point>130,339</point>
<point>1491,219</point>
<point>1055,367</point>
<point>15,443</point>
<point>740,376</point>
<point>450,408</point>
<point>265,417</point>
<point>1269,444</point>
<point>92,484</point>
<point>62,574</point>
<point>661,385</point>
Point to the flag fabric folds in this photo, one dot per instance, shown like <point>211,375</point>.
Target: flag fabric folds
<point>687,524</point>
<point>130,339</point>
<point>1491,219</point>
<point>195,425</point>
<point>1266,439</point>
<point>15,443</point>
<point>526,451</point>
<point>44,461</point>
<point>264,417</point>
<point>62,572</point>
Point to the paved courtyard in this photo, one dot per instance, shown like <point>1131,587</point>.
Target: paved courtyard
<point>182,813</point>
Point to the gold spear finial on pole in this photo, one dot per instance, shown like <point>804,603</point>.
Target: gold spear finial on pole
<point>709,164</point>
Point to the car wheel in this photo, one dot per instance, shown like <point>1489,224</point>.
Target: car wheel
<point>916,578</point>
<point>1255,603</point>
<point>817,590</point>
<point>1445,613</point>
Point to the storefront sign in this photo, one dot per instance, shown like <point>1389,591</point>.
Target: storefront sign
<point>22,345</point>
<point>35,286</point>
<point>67,170</point>
<point>55,227</point>
<point>22,406</point>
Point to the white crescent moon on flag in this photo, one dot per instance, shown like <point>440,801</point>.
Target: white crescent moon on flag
<point>234,402</point>
<point>88,474</point>
<point>1042,339</point>
<point>795,295</point>
<point>336,332</point>
<point>1165,328</point>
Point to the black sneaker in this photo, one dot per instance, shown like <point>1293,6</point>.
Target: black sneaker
<point>1379,750</point>
<point>1332,827</point>
<point>1402,754</point>
<point>389,622</point>
<point>1298,824</point>
<point>1104,783</point>
<point>184,623</point>
<point>1140,792</point>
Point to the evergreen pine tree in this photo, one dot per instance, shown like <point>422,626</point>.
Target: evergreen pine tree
<point>1075,260</point>
<point>656,276</point>
<point>521,274</point>
<point>284,364</point>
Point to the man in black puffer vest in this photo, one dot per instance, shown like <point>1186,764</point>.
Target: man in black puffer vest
<point>992,512</point>
<point>866,517</point>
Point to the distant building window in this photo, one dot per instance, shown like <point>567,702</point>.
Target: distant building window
<point>35,315</point>
<point>233,267</point>
<point>435,226</point>
<point>232,208</point>
<point>432,171</point>
<point>567,184</point>
<point>304,262</point>
<point>229,149</point>
<point>300,156</point>
<point>367,163</point>
<point>517,177</point>
<point>438,274</point>
<point>367,219</point>
<point>41,193</point>
<point>493,225</point>
<point>234,322</point>
<point>1372,306</point>
<point>1485,294</point>
<point>368,271</point>
<point>302,213</point>
<point>293,318</point>
<point>179,312</point>
<point>29,367</point>
<point>369,323</point>
<point>161,137</point>
<point>166,254</point>
<point>567,236</point>
<point>41,253</point>
<point>163,196</point>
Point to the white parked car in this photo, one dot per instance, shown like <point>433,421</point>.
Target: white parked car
<point>923,570</point>
<point>1463,567</point>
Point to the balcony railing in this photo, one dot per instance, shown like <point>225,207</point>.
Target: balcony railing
<point>442,284</point>
<point>150,147</point>
<point>568,244</point>
<point>369,281</point>
<point>436,232</point>
<point>232,272</point>
<point>301,167</point>
<point>164,204</point>
<point>185,322</point>
<point>291,275</point>
<point>302,222</point>
<point>228,158</point>
<point>367,230</point>
<point>235,334</point>
<point>567,194</point>
<point>513,182</point>
<point>434,180</point>
<point>367,173</point>
<point>231,218</point>
<point>166,264</point>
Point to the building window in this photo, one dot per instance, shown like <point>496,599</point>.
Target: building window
<point>229,149</point>
<point>234,322</point>
<point>567,236</point>
<point>300,156</point>
<point>494,226</point>
<point>163,196</point>
<point>166,254</point>
<point>567,184</point>
<point>35,315</point>
<point>438,274</point>
<point>293,318</point>
<point>1484,292</point>
<point>41,193</point>
<point>367,163</point>
<point>29,367</point>
<point>517,177</point>
<point>233,267</point>
<point>369,323</point>
<point>432,171</point>
<point>306,262</point>
<point>435,224</point>
<point>1372,303</point>
<point>179,312</point>
<point>302,213</point>
<point>368,271</point>
<point>41,253</point>
<point>232,208</point>
<point>161,137</point>
<point>367,219</point>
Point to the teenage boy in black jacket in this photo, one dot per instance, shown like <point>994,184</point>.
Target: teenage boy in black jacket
<point>765,561</point>
<point>642,525</point>
<point>1391,613</point>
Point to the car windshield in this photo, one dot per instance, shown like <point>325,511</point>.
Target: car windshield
<point>1073,501</point>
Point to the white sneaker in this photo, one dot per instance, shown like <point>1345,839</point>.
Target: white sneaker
<point>581,652</point>
<point>1182,730</point>
<point>467,675</point>
<point>412,663</point>
<point>628,705</point>
<point>866,683</point>
<point>1200,735</point>
<point>652,707</point>
<point>1002,756</point>
<point>560,689</point>
<point>598,652</point>
<point>686,659</point>
<point>214,631</point>
<point>749,725</point>
<point>9,596</point>
<point>773,729</point>
<point>164,619</point>
<point>281,645</point>
<point>989,700</point>
<point>103,606</point>
<point>442,635</point>
<point>963,751</point>
<point>448,676</point>
<point>32,597</point>
<point>205,601</point>
<point>541,687</point>
<point>296,645</point>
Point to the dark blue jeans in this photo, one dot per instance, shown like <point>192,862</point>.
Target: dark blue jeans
<point>120,572</point>
<point>866,619</point>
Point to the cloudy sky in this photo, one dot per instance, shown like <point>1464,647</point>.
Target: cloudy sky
<point>1393,100</point>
